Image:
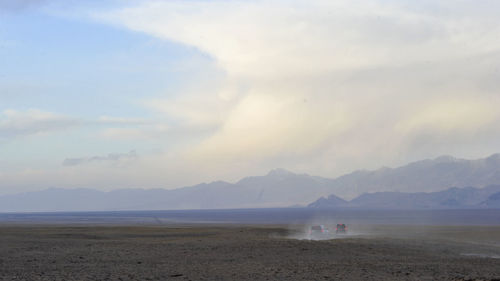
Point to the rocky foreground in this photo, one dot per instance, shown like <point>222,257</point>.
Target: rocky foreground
<point>201,252</point>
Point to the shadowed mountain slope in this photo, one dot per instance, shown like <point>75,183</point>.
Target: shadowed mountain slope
<point>423,176</point>
<point>468,197</point>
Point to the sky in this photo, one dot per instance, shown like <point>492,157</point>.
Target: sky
<point>164,94</point>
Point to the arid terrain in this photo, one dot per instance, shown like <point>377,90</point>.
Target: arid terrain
<point>237,252</point>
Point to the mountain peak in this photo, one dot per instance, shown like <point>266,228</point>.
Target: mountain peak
<point>445,158</point>
<point>279,172</point>
<point>495,156</point>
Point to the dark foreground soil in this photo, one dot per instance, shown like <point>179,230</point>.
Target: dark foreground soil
<point>243,253</point>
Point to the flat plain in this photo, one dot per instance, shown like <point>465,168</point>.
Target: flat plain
<point>247,252</point>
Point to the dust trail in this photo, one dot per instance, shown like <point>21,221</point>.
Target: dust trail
<point>326,229</point>
<point>303,232</point>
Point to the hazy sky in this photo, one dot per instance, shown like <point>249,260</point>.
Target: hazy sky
<point>118,94</point>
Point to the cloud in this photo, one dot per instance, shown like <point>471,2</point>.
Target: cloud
<point>310,81</point>
<point>453,115</point>
<point>283,38</point>
<point>113,158</point>
<point>123,128</point>
<point>33,122</point>
<point>156,131</point>
<point>110,120</point>
<point>37,122</point>
<point>322,87</point>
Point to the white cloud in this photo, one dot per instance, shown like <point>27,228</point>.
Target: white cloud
<point>123,128</point>
<point>461,115</point>
<point>155,131</point>
<point>31,122</point>
<point>322,87</point>
<point>353,81</point>
<point>116,159</point>
<point>282,38</point>
<point>110,120</point>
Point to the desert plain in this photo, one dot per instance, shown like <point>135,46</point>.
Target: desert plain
<point>247,252</point>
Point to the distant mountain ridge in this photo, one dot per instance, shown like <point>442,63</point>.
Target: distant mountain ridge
<point>453,198</point>
<point>493,201</point>
<point>422,176</point>
<point>278,188</point>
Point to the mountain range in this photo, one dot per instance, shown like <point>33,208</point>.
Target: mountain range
<point>452,198</point>
<point>278,188</point>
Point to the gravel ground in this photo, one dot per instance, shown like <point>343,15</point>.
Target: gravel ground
<point>207,252</point>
